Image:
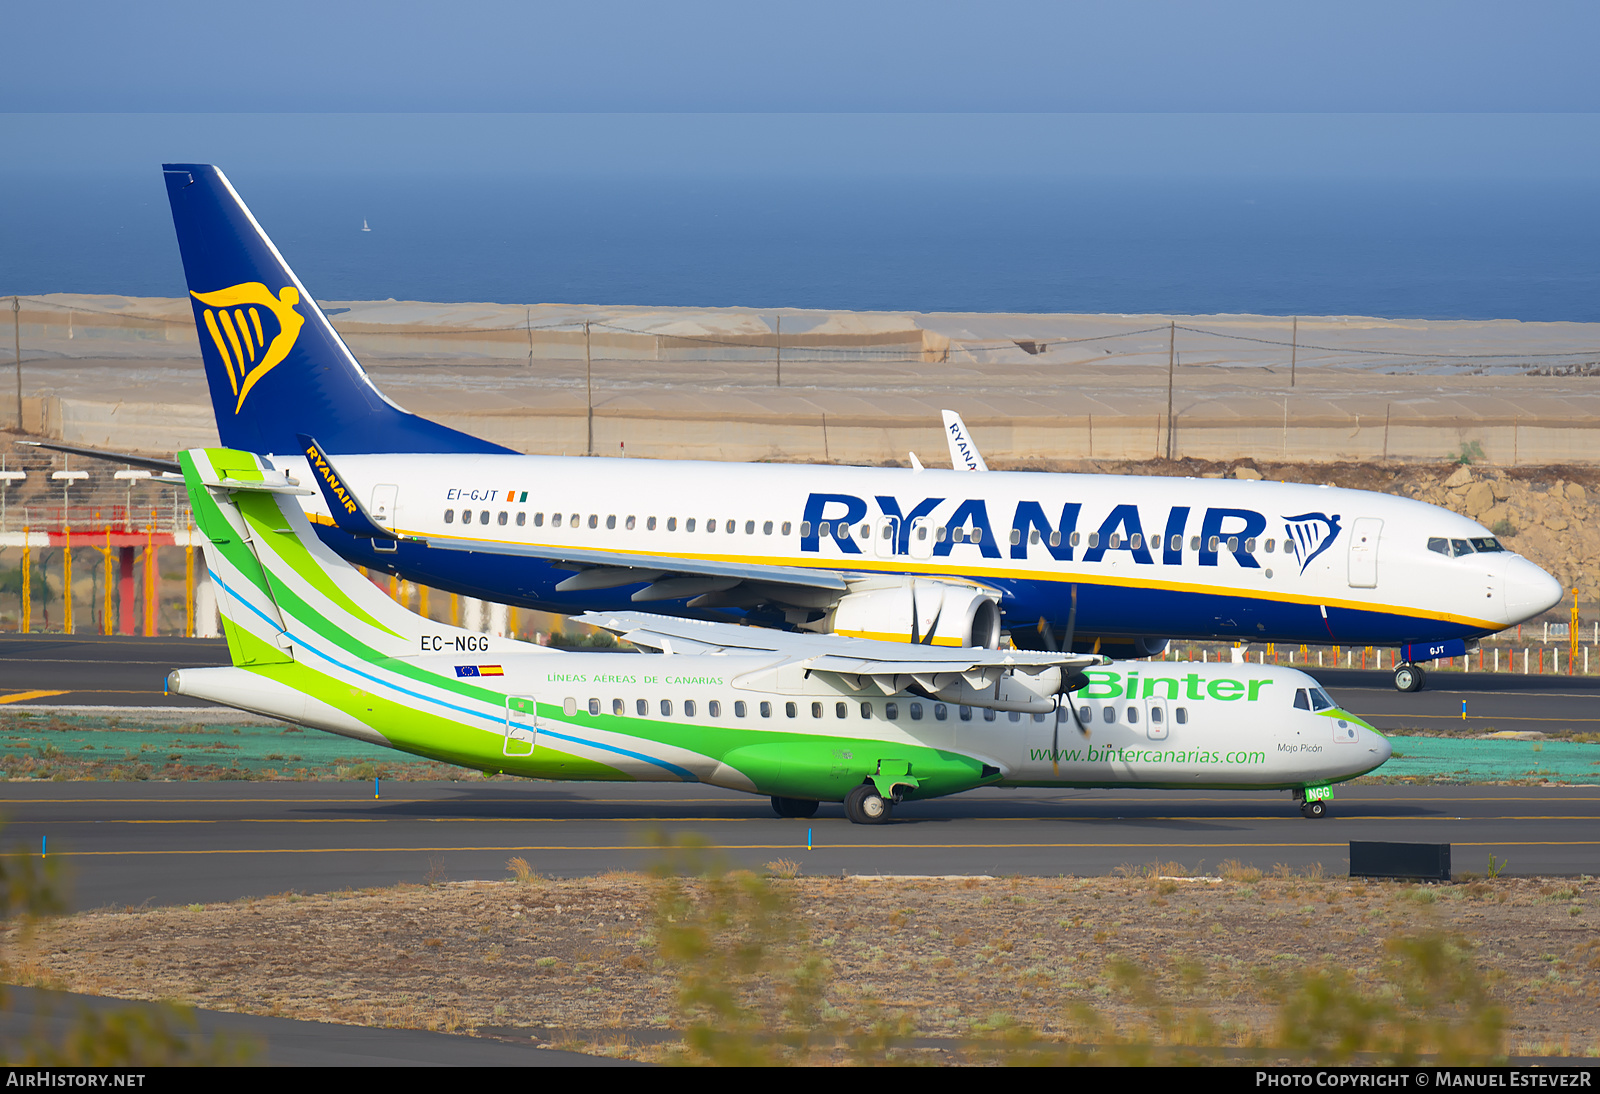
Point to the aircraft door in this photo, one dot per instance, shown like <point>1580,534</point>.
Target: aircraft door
<point>1364,538</point>
<point>522,725</point>
<point>384,498</point>
<point>1156,715</point>
<point>887,537</point>
<point>922,538</point>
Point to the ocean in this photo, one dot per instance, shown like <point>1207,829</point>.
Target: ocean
<point>998,243</point>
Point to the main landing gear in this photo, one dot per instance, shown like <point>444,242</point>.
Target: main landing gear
<point>864,805</point>
<point>1409,677</point>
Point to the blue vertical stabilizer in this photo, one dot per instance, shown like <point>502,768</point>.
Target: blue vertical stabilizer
<point>275,366</point>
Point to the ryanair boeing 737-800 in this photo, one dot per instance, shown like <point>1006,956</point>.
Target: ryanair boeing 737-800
<point>1115,564</point>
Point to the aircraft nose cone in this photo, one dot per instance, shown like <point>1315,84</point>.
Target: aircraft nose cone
<point>1380,747</point>
<point>1529,591</point>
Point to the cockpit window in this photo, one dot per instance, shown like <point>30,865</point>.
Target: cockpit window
<point>1460,548</point>
<point>1320,700</point>
<point>1301,702</point>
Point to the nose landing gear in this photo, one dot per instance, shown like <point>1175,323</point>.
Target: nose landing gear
<point>1409,677</point>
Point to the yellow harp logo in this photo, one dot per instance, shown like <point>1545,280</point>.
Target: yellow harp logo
<point>233,316</point>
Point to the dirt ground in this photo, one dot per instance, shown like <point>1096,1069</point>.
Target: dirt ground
<point>587,963</point>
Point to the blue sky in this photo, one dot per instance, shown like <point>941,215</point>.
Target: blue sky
<point>1139,87</point>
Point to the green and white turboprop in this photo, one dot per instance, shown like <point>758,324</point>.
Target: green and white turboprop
<point>803,718</point>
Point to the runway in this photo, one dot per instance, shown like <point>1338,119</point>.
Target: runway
<point>165,843</point>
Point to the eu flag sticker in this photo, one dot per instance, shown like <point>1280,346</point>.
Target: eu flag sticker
<point>466,670</point>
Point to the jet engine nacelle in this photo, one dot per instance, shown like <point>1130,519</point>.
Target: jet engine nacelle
<point>935,613</point>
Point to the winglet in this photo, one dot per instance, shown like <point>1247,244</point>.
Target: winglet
<point>964,454</point>
<point>348,512</point>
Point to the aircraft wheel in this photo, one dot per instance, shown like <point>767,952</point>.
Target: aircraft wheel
<point>794,807</point>
<point>864,805</point>
<point>1409,678</point>
<point>1314,810</point>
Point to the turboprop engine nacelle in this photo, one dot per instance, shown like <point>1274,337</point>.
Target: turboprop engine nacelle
<point>936,613</point>
<point>1030,693</point>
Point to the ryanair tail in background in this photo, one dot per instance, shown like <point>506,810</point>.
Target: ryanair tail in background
<point>275,365</point>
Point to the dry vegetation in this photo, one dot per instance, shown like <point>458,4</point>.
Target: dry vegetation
<point>752,968</point>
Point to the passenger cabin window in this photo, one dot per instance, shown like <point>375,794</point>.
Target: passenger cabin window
<point>629,524</point>
<point>672,524</point>
<point>988,714</point>
<point>740,708</point>
<point>1182,715</point>
<point>555,520</point>
<point>766,710</point>
<point>483,517</point>
<point>594,706</point>
<point>538,520</point>
<point>1133,716</point>
<point>786,529</point>
<point>666,708</point>
<point>1109,714</point>
<point>766,529</point>
<point>522,520</point>
<point>642,707</point>
<point>503,518</point>
<point>650,524</point>
<point>618,707</point>
<point>688,525</point>
<point>1176,544</point>
<point>611,522</point>
<point>594,520</point>
<point>688,708</point>
<point>449,516</point>
<point>569,706</point>
<point>791,710</point>
<point>714,708</point>
<point>891,711</point>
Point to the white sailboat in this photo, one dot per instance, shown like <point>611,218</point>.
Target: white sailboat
<point>364,227</point>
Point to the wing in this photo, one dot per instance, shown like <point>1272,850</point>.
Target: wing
<point>964,674</point>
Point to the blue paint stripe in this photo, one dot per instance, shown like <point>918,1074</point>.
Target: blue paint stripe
<point>681,772</point>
